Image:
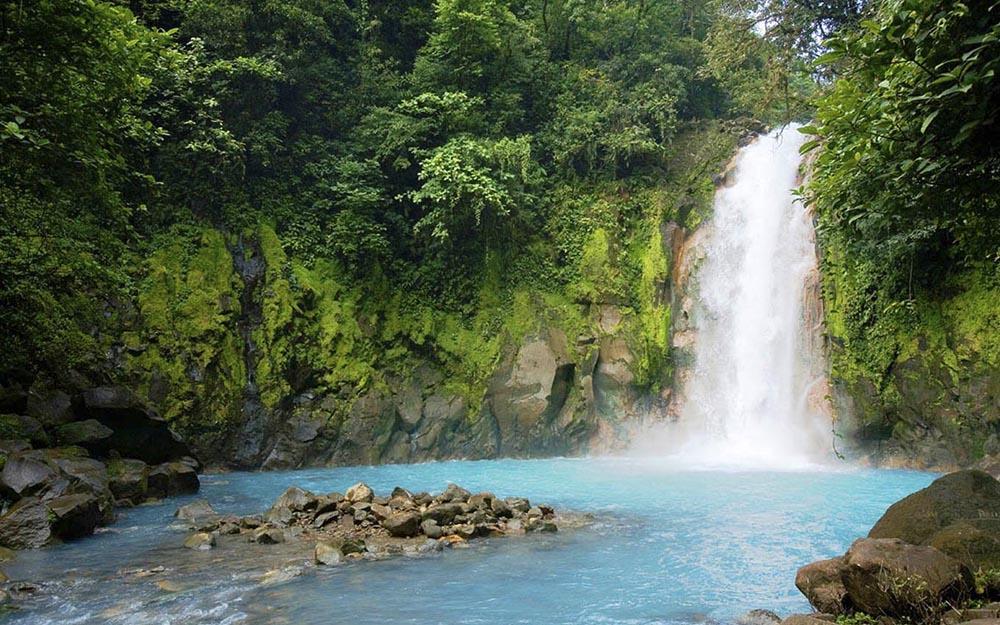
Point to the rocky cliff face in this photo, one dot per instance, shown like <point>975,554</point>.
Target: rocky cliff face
<point>259,361</point>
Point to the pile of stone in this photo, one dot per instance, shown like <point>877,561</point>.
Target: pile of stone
<point>68,460</point>
<point>360,524</point>
<point>923,561</point>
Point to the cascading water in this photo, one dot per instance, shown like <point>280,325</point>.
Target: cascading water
<point>746,401</point>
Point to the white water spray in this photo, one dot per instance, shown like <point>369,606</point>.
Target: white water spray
<point>746,402</point>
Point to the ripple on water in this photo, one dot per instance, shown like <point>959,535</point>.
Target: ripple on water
<point>667,546</point>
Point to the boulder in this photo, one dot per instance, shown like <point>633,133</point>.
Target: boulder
<point>50,407</point>
<point>974,542</point>
<point>822,583</point>
<point>888,576</point>
<point>359,493</point>
<point>24,427</point>
<point>759,617</point>
<point>431,529</point>
<point>26,473</point>
<point>443,513</point>
<point>296,500</point>
<point>74,516</point>
<point>328,554</point>
<point>198,510</point>
<point>127,480</point>
<point>137,431</point>
<point>500,508</point>
<point>90,434</point>
<point>454,494</point>
<point>402,524</point>
<point>200,541</point>
<point>268,536</point>
<point>172,478</point>
<point>962,495</point>
<point>25,525</point>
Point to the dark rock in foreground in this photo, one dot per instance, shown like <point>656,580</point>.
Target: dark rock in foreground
<point>920,557</point>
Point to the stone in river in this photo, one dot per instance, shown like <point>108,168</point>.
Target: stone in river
<point>431,529</point>
<point>328,554</point>
<point>195,511</point>
<point>402,524</point>
<point>200,541</point>
<point>74,516</point>
<point>25,525</point>
<point>268,536</point>
<point>822,583</point>
<point>759,617</point>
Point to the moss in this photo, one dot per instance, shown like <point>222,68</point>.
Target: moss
<point>186,337</point>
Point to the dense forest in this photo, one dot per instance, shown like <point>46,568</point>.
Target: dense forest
<point>207,199</point>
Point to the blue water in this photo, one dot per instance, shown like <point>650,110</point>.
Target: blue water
<point>666,546</point>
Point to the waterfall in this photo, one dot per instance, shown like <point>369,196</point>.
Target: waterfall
<point>749,399</point>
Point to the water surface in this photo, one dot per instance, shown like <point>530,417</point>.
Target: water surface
<point>667,546</point>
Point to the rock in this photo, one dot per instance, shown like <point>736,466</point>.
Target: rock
<point>50,407</point>
<point>25,525</point>
<point>24,427</point>
<point>400,492</point>
<point>268,536</point>
<point>805,619</point>
<point>127,480</point>
<point>26,473</point>
<point>7,554</point>
<point>431,529</point>
<point>381,512</point>
<point>172,478</point>
<point>888,576</point>
<point>518,504</point>
<point>8,447</point>
<point>74,516</point>
<point>535,513</point>
<point>759,617</point>
<point>90,434</point>
<point>481,501</point>
<point>360,492</point>
<point>963,495</point>
<point>195,511</point>
<point>501,509</point>
<point>443,513</point>
<point>974,542</point>
<point>200,541</point>
<point>293,500</point>
<point>822,584</point>
<point>402,524</point>
<point>137,431</point>
<point>90,476</point>
<point>454,493</point>
<point>328,554</point>
<point>280,576</point>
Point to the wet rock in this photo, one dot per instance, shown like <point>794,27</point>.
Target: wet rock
<point>500,508</point>
<point>381,512</point>
<point>973,542</point>
<point>50,407</point>
<point>431,529</point>
<point>280,576</point>
<point>74,516</point>
<point>454,494</point>
<point>822,583</point>
<point>443,513</point>
<point>267,536</point>
<point>963,495</point>
<point>200,541</point>
<point>888,576</point>
<point>172,478</point>
<point>127,480</point>
<point>90,434</point>
<point>759,617</point>
<point>518,504</point>
<point>26,473</point>
<point>25,525</point>
<point>402,524</point>
<point>400,492</point>
<point>359,493</point>
<point>328,554</point>
<point>195,511</point>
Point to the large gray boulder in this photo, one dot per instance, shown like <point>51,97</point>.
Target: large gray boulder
<point>128,480</point>
<point>90,434</point>
<point>26,473</point>
<point>26,525</point>
<point>402,524</point>
<point>172,478</point>
<point>887,576</point>
<point>74,516</point>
